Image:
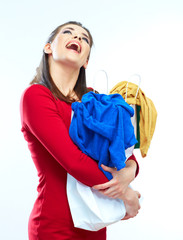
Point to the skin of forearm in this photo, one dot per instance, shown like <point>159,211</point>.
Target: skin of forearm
<point>132,167</point>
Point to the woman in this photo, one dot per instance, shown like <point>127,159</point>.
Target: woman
<point>45,117</point>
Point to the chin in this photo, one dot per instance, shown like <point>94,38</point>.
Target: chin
<point>73,62</point>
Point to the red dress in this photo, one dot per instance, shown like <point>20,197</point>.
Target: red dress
<point>45,125</point>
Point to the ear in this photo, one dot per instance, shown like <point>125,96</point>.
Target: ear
<point>47,48</point>
<point>86,64</point>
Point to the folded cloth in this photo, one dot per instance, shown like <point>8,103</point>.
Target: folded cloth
<point>148,113</point>
<point>101,127</point>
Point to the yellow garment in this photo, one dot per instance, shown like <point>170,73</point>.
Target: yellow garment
<point>148,113</point>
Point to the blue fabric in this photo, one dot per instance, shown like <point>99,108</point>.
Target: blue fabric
<point>101,127</point>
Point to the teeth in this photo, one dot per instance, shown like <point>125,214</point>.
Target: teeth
<point>76,44</point>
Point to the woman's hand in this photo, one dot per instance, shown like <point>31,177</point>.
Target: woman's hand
<point>131,201</point>
<point>116,187</point>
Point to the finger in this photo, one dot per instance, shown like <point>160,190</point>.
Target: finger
<point>126,217</point>
<point>138,194</point>
<point>107,195</point>
<point>104,185</point>
<point>110,193</point>
<point>107,169</point>
<point>114,196</point>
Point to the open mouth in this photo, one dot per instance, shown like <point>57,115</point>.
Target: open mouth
<point>74,46</point>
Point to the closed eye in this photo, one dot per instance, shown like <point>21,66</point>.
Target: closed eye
<point>86,40</point>
<point>67,32</point>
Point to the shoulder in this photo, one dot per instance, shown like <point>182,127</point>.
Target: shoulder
<point>37,92</point>
<point>36,96</point>
<point>36,89</point>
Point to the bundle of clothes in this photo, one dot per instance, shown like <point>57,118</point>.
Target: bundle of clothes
<point>104,128</point>
<point>101,127</point>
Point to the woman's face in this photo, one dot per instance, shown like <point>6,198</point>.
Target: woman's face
<point>71,46</point>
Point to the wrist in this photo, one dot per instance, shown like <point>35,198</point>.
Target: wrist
<point>127,197</point>
<point>132,168</point>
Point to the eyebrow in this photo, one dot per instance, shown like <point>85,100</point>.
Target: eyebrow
<point>70,28</point>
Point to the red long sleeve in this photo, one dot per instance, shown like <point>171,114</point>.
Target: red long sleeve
<point>45,125</point>
<point>43,116</point>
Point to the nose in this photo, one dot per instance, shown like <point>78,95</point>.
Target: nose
<point>76,36</point>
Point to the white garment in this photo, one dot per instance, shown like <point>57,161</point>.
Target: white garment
<point>90,209</point>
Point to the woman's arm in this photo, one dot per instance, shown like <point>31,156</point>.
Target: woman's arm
<point>118,187</point>
<point>41,117</point>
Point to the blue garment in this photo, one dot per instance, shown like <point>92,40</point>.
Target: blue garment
<point>101,127</point>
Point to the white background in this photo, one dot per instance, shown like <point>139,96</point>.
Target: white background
<point>131,37</point>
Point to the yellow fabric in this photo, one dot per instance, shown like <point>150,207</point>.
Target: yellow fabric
<point>148,113</point>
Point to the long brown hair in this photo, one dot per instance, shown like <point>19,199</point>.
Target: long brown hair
<point>43,76</point>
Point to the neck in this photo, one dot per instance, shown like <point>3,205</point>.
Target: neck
<point>64,77</point>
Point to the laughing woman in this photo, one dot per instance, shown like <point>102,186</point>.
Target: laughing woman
<point>45,117</point>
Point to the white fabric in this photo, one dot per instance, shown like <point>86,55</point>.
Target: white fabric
<point>91,210</point>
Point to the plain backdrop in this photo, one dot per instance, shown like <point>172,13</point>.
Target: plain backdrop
<point>131,37</point>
